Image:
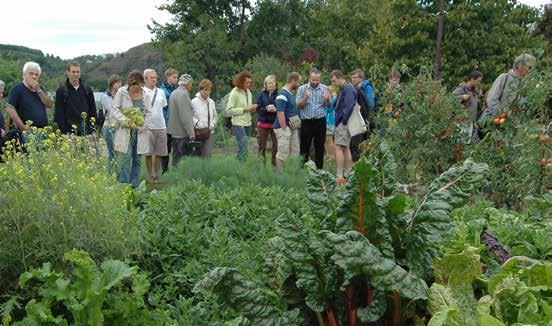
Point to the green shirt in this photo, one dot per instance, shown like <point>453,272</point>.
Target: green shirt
<point>238,101</point>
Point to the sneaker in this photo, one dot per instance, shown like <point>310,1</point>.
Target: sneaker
<point>341,181</point>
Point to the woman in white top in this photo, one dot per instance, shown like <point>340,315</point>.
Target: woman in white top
<point>205,117</point>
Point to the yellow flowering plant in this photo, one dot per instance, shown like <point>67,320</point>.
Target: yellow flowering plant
<point>55,197</point>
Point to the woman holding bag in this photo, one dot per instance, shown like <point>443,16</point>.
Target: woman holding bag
<point>127,134</point>
<point>205,118</point>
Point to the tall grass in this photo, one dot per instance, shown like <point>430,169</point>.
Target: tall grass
<point>231,172</point>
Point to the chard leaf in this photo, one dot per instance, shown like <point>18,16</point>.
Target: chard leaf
<point>324,195</point>
<point>364,211</point>
<point>357,256</point>
<point>430,221</point>
<point>375,310</point>
<point>247,297</point>
<point>309,261</point>
<point>456,273</point>
<point>383,160</point>
<point>443,307</point>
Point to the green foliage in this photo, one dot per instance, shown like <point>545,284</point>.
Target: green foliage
<point>525,233</point>
<point>191,228</point>
<point>263,65</point>
<point>357,256</point>
<point>452,299</point>
<point>258,305</point>
<point>430,221</point>
<point>58,197</point>
<point>227,172</point>
<point>87,295</point>
<point>421,129</point>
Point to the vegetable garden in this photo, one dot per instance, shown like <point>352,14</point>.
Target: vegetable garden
<point>431,229</point>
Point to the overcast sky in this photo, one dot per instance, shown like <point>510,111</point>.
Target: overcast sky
<point>72,28</point>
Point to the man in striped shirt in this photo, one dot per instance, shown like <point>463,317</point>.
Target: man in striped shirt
<point>312,97</point>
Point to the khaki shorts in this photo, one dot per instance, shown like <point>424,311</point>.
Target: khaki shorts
<point>342,136</point>
<point>330,129</point>
<point>288,143</point>
<point>157,142</point>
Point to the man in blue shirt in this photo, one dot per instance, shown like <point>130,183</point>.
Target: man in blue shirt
<point>287,124</point>
<point>344,105</point>
<point>312,97</point>
<point>28,101</point>
<point>168,86</point>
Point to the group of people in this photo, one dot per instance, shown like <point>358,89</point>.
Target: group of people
<point>300,118</point>
<point>172,117</point>
<point>304,120</point>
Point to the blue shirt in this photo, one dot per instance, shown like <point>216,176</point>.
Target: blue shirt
<point>28,105</point>
<point>285,102</point>
<point>314,108</point>
<point>167,89</point>
<point>330,113</point>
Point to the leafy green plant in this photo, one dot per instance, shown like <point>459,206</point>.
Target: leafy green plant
<point>191,228</point>
<point>517,294</point>
<point>258,305</point>
<point>348,260</point>
<point>86,295</point>
<point>57,197</point>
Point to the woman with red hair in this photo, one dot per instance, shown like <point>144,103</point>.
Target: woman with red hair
<point>240,105</point>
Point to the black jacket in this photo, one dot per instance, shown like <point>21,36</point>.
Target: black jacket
<point>263,100</point>
<point>71,103</point>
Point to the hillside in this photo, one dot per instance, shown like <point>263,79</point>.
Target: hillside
<point>96,69</point>
<point>139,57</point>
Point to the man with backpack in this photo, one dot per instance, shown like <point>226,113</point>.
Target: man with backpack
<point>506,86</point>
<point>344,106</point>
<point>368,104</point>
<point>75,104</point>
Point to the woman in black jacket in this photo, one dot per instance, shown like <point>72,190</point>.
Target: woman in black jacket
<point>266,115</point>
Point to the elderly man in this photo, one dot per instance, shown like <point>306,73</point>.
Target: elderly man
<point>181,126</point>
<point>75,99</point>
<point>28,101</point>
<point>157,130</point>
<point>312,98</point>
<point>505,87</point>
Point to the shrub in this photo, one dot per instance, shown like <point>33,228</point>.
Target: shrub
<point>55,198</point>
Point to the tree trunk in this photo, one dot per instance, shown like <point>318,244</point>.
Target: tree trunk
<point>438,50</point>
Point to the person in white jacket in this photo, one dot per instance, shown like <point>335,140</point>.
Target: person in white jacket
<point>205,118</point>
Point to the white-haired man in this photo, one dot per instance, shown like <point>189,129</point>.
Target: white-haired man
<point>27,101</point>
<point>181,125</point>
<point>157,129</point>
<point>505,87</point>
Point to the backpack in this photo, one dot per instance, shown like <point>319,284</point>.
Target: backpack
<point>370,94</point>
<point>227,119</point>
<point>362,101</point>
<point>88,92</point>
<point>100,119</point>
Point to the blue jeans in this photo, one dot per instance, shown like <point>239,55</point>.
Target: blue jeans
<point>108,137</point>
<point>242,136</point>
<point>129,169</point>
